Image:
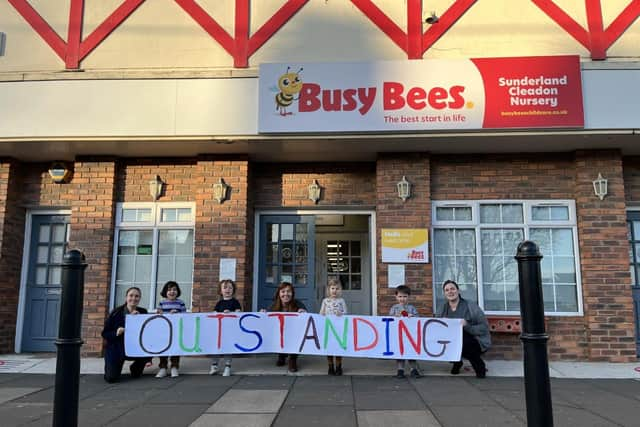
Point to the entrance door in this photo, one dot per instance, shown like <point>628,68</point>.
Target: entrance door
<point>633,223</point>
<point>48,243</point>
<point>346,257</point>
<point>287,254</point>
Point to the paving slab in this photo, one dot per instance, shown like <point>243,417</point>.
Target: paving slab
<point>11,393</point>
<point>249,401</point>
<point>447,391</point>
<point>159,416</point>
<point>234,420</point>
<point>301,415</point>
<point>381,383</point>
<point>321,395</point>
<point>567,416</point>
<point>474,416</point>
<point>14,414</point>
<point>265,382</point>
<point>204,394</point>
<point>397,419</point>
<point>388,400</point>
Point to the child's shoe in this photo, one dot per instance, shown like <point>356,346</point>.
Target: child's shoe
<point>227,371</point>
<point>174,372</point>
<point>415,373</point>
<point>331,371</point>
<point>161,373</point>
<point>213,370</point>
<point>339,370</point>
<point>400,374</point>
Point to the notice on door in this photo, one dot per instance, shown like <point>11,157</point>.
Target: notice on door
<point>405,245</point>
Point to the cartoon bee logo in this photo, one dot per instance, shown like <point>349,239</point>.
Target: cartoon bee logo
<point>289,85</point>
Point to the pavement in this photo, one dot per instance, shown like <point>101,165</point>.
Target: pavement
<point>261,394</point>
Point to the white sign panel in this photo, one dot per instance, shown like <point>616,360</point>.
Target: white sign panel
<point>302,333</point>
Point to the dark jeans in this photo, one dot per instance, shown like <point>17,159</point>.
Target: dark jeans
<point>113,368</point>
<point>471,350</point>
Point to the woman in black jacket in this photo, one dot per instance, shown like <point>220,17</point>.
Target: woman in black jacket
<point>113,332</point>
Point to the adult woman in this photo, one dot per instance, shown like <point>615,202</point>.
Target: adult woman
<point>113,332</point>
<point>476,338</point>
<point>284,300</point>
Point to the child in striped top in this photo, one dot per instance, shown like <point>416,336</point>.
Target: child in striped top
<point>170,304</point>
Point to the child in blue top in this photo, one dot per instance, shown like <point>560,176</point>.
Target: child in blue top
<point>227,304</point>
<point>404,309</point>
<point>170,304</point>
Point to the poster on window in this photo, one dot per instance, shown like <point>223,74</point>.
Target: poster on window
<point>405,245</point>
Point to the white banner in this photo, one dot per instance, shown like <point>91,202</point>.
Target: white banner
<point>191,334</point>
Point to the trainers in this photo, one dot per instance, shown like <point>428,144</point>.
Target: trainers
<point>339,370</point>
<point>174,372</point>
<point>227,371</point>
<point>161,373</point>
<point>415,373</point>
<point>213,370</point>
<point>331,370</point>
<point>400,374</point>
<point>455,369</point>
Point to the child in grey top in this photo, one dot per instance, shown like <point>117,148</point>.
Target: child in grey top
<point>336,306</point>
<point>404,309</point>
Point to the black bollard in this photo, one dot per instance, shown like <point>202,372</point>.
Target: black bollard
<point>534,338</point>
<point>65,403</point>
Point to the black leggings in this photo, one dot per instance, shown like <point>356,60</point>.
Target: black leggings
<point>113,368</point>
<point>471,350</point>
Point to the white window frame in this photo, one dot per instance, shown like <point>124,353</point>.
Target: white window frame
<point>156,225</point>
<point>526,225</point>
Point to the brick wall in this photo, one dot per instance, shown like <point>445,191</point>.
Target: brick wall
<point>631,172</point>
<point>92,228</point>
<point>415,212</point>
<point>221,228</point>
<point>11,242</point>
<point>286,185</point>
<point>604,255</point>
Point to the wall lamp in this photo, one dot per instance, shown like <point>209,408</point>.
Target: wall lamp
<point>432,19</point>
<point>314,191</point>
<point>60,172</point>
<point>220,190</point>
<point>155,188</point>
<point>404,189</point>
<point>600,186</point>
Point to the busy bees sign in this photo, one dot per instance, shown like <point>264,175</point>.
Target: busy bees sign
<point>486,93</point>
<point>405,245</point>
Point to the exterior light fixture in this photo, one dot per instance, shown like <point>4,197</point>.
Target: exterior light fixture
<point>155,188</point>
<point>404,189</point>
<point>432,19</point>
<point>59,172</point>
<point>220,191</point>
<point>600,186</point>
<point>314,191</point>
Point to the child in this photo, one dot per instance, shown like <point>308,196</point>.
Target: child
<point>170,304</point>
<point>403,309</point>
<point>335,305</point>
<point>227,304</point>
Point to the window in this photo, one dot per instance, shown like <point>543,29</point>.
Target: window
<point>474,243</point>
<point>154,244</point>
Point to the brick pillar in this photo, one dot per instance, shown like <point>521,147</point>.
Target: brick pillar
<point>92,230</point>
<point>11,245</point>
<point>604,256</point>
<point>392,212</point>
<point>221,228</point>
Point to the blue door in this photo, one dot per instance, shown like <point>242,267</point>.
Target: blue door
<point>633,223</point>
<point>287,254</point>
<point>48,243</point>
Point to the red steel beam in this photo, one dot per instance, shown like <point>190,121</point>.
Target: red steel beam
<point>76,13</point>
<point>596,30</point>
